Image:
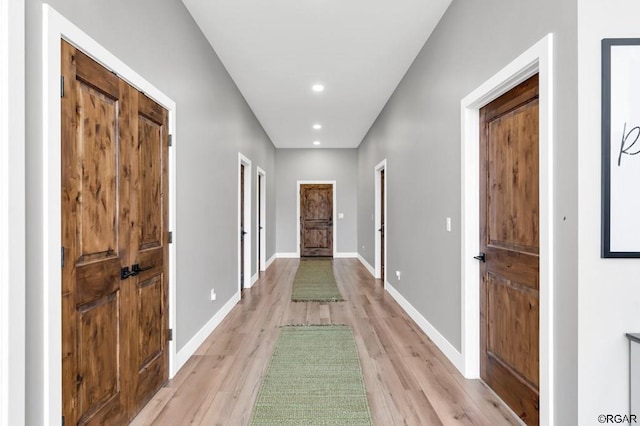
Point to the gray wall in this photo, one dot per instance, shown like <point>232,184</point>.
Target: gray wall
<point>161,42</point>
<point>293,165</point>
<point>419,134</point>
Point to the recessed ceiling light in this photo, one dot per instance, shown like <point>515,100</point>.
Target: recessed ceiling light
<point>316,143</point>
<point>317,87</point>
<point>317,126</point>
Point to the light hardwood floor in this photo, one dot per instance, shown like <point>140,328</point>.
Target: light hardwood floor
<point>408,380</point>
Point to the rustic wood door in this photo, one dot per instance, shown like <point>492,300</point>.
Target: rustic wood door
<point>316,220</point>
<point>114,216</point>
<point>149,245</point>
<point>509,241</point>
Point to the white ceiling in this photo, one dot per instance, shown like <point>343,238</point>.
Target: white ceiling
<point>275,50</point>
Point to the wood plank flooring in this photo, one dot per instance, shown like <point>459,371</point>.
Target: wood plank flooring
<point>408,380</point>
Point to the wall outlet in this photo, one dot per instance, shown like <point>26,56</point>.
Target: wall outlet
<point>213,295</point>
<point>398,275</point>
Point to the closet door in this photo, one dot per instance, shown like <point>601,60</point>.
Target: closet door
<point>114,199</point>
<point>149,248</point>
<point>95,238</point>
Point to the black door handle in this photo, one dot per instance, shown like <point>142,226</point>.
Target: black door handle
<point>137,269</point>
<point>481,257</point>
<point>126,273</point>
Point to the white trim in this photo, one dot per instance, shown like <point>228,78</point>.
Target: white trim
<point>345,255</point>
<point>366,264</point>
<point>335,209</point>
<point>194,343</point>
<point>261,217</point>
<point>378,218</point>
<point>440,341</point>
<point>12,212</point>
<point>243,160</point>
<point>287,255</point>
<point>254,278</point>
<point>538,58</point>
<point>270,261</point>
<point>55,27</point>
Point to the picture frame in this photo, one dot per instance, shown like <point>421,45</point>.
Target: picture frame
<point>621,148</point>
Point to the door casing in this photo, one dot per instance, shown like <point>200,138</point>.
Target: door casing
<point>12,212</point>
<point>335,215</point>
<point>261,216</point>
<point>378,219</point>
<point>55,27</point>
<point>244,161</point>
<point>537,59</point>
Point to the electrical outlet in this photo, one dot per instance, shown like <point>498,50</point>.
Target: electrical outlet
<point>213,295</point>
<point>398,275</point>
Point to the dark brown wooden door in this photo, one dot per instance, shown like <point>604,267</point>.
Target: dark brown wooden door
<point>382,218</point>
<point>114,215</point>
<point>316,220</point>
<point>509,238</point>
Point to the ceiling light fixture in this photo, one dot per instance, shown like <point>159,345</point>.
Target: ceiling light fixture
<point>316,143</point>
<point>317,88</point>
<point>317,126</point>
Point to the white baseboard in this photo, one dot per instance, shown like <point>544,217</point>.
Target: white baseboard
<point>192,345</point>
<point>287,255</point>
<point>254,278</point>
<point>345,255</point>
<point>366,264</point>
<point>441,342</point>
<point>270,261</point>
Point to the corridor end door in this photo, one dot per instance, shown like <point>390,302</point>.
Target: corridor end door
<point>509,242</point>
<point>316,220</point>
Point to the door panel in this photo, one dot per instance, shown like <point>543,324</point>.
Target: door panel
<point>509,237</point>
<point>95,240</point>
<point>149,203</point>
<point>114,199</point>
<point>98,367</point>
<point>316,220</point>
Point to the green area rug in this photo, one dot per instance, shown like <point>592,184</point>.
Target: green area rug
<point>314,378</point>
<point>314,282</point>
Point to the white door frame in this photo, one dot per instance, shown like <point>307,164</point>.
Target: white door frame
<point>335,209</point>
<point>12,212</point>
<point>538,58</point>
<point>243,160</point>
<point>261,216</point>
<point>56,27</point>
<point>378,219</point>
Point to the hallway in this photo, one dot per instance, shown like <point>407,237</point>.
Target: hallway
<point>408,380</point>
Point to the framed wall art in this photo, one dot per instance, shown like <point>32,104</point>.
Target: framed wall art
<point>621,147</point>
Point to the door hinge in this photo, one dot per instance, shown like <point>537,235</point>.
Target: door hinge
<point>170,140</point>
<point>62,86</point>
<point>170,237</point>
<point>170,334</point>
<point>62,257</point>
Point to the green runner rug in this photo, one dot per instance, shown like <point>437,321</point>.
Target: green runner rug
<point>315,282</point>
<point>314,378</point>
